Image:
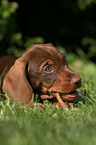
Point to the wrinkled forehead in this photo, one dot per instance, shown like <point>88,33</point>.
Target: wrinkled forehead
<point>40,55</point>
<point>41,52</point>
<point>48,47</point>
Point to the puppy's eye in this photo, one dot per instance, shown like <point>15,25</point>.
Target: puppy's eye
<point>48,68</point>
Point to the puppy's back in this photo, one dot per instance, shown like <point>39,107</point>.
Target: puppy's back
<point>5,63</point>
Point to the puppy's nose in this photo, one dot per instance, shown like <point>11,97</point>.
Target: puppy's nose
<point>76,80</point>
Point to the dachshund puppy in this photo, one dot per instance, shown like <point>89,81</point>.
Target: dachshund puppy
<point>43,70</point>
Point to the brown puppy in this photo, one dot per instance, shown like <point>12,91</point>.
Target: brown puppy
<point>43,70</point>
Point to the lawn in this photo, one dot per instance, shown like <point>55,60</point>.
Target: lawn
<point>76,126</point>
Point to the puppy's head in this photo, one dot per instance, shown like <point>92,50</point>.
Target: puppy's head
<point>44,70</point>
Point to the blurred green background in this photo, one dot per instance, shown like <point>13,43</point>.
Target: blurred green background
<point>69,24</point>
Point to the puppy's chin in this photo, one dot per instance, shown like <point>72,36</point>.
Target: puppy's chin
<point>71,96</point>
<point>66,97</point>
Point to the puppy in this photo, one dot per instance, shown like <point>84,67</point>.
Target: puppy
<point>41,69</point>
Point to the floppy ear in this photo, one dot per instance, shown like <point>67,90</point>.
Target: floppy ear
<point>16,84</point>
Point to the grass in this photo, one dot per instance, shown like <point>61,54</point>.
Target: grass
<point>76,126</point>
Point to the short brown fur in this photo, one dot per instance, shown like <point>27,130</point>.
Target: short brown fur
<point>41,69</point>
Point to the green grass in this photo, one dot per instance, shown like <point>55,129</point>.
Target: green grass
<point>76,126</point>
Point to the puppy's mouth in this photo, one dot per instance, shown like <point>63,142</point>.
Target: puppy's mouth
<point>70,96</point>
<point>61,97</point>
<point>66,97</point>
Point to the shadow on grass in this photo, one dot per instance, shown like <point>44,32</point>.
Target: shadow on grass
<point>85,98</point>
